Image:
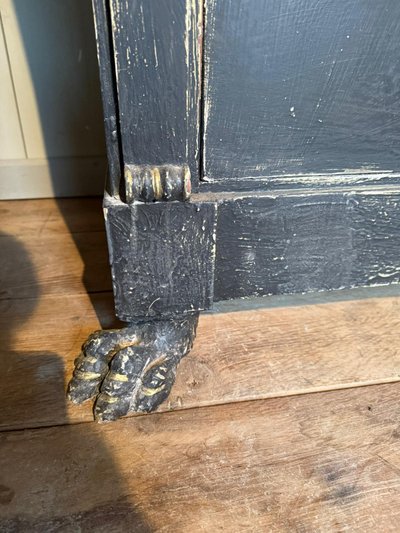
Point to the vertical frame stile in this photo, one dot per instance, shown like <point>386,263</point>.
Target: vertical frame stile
<point>105,55</point>
<point>157,53</point>
<point>162,247</point>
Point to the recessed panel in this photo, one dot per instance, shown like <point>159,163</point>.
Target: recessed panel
<point>301,87</point>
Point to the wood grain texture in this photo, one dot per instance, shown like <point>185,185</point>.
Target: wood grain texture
<point>157,47</point>
<point>30,219</point>
<point>301,242</point>
<point>40,338</point>
<point>268,351</point>
<point>162,256</point>
<point>76,266</point>
<point>238,354</point>
<point>245,350</point>
<point>52,247</point>
<point>300,86</point>
<point>324,462</point>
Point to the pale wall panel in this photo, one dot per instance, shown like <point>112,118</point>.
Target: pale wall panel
<point>53,62</point>
<point>44,178</point>
<point>11,141</point>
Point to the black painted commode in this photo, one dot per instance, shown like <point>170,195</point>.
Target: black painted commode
<point>253,149</point>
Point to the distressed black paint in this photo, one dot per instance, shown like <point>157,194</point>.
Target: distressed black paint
<point>105,55</point>
<point>300,86</point>
<point>162,257</point>
<point>147,183</point>
<point>131,369</point>
<point>303,242</point>
<point>337,180</point>
<point>157,52</point>
<point>300,95</point>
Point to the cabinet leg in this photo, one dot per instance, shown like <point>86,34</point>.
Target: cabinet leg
<point>131,369</point>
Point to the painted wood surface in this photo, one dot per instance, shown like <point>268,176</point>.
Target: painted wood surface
<point>323,462</point>
<point>247,350</point>
<point>301,242</point>
<point>288,87</point>
<point>300,86</point>
<point>157,47</point>
<point>105,57</point>
<point>162,256</point>
<point>325,241</point>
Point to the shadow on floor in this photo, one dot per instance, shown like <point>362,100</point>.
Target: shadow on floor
<point>60,50</point>
<point>96,275</point>
<point>88,493</point>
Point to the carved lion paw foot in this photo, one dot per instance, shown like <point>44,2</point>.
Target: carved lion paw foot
<point>131,369</point>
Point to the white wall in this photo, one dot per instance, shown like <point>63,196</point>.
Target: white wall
<point>51,126</point>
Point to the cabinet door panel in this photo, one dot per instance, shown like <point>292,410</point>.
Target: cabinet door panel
<point>301,86</point>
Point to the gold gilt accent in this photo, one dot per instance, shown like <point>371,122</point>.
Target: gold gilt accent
<point>154,183</point>
<point>109,399</point>
<point>118,377</point>
<point>157,186</point>
<point>151,392</point>
<point>128,182</point>
<point>86,376</point>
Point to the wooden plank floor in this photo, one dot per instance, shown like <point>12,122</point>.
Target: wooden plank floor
<point>285,417</point>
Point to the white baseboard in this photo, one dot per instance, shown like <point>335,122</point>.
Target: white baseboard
<point>56,177</point>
